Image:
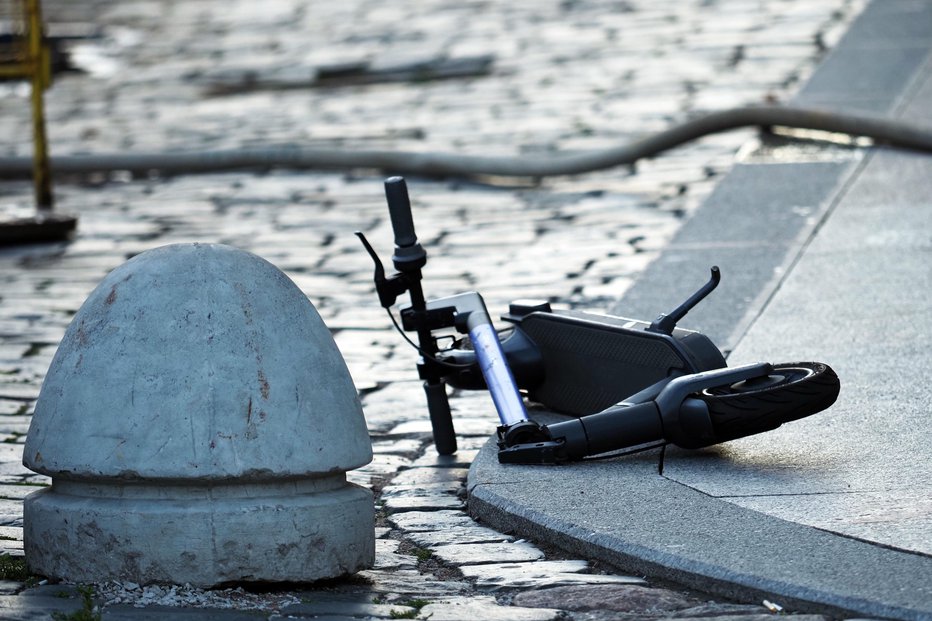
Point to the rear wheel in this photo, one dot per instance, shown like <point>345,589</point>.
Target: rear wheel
<point>789,392</point>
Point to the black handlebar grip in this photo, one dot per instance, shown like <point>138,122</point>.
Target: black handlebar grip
<point>399,208</point>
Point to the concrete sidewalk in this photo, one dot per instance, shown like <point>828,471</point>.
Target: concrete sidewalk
<point>826,255</point>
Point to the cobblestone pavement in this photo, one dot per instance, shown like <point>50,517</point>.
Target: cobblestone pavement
<point>564,75</point>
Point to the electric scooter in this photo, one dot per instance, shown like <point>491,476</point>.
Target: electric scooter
<point>632,384</point>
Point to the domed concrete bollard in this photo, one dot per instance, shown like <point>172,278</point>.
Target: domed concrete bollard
<point>197,422</point>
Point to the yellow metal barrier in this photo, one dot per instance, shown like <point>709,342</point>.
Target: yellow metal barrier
<point>29,60</point>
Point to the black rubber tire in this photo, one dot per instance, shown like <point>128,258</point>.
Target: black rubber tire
<point>793,390</point>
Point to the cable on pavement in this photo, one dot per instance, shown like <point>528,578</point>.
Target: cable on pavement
<point>441,164</point>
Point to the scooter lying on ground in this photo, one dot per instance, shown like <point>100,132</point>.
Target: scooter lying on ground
<point>631,384</point>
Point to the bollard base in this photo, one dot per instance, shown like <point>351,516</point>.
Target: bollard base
<point>297,531</point>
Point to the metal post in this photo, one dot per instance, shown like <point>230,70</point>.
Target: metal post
<point>32,63</point>
<point>40,74</point>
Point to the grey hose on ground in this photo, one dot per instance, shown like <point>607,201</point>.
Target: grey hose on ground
<point>438,164</point>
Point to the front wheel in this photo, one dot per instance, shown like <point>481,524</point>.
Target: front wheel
<point>789,392</point>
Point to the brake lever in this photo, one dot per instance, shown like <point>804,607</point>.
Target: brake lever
<point>388,289</point>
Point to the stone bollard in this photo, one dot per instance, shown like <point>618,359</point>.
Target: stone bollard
<point>198,422</point>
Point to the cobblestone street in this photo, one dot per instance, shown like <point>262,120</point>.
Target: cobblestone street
<point>556,76</point>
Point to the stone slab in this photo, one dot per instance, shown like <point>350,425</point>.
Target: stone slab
<point>751,228</point>
<point>422,503</point>
<point>481,553</point>
<point>628,598</point>
<point>414,521</point>
<point>539,574</point>
<point>887,24</point>
<point>317,609</point>
<point>18,608</point>
<point>448,488</point>
<point>10,587</point>
<point>426,475</point>
<point>470,533</point>
<point>11,512</point>
<point>125,612</point>
<point>876,60</point>
<point>864,79</point>
<point>410,583</point>
<point>388,557</point>
<point>486,608</point>
<point>424,497</point>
